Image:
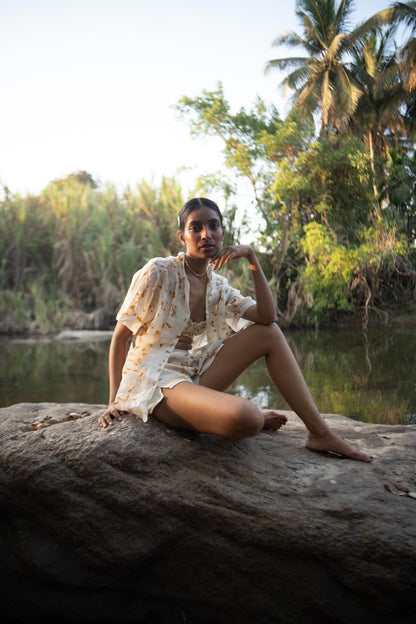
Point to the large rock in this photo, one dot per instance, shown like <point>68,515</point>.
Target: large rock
<point>141,523</point>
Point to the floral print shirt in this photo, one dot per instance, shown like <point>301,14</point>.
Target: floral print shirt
<point>156,310</point>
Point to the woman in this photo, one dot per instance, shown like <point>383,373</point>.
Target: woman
<point>193,335</point>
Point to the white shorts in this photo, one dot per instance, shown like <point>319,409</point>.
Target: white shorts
<point>184,366</point>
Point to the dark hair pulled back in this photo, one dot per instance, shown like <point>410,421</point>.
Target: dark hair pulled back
<point>194,204</point>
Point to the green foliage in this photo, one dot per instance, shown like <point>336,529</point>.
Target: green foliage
<point>399,193</point>
<point>331,183</point>
<point>328,270</point>
<point>364,276</point>
<point>81,176</point>
<point>327,248</point>
<point>253,141</point>
<point>76,246</point>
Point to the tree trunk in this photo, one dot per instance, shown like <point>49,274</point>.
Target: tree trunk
<point>373,172</point>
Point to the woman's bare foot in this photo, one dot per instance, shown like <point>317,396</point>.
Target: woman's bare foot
<point>333,443</point>
<point>273,420</point>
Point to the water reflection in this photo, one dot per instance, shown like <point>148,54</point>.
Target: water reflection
<point>53,371</point>
<point>368,377</point>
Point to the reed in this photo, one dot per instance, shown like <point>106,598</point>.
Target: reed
<point>76,246</point>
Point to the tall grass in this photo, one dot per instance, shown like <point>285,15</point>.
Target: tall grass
<point>75,247</point>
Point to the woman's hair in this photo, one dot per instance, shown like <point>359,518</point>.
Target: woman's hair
<point>194,204</point>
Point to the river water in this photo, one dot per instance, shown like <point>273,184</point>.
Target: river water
<point>367,376</point>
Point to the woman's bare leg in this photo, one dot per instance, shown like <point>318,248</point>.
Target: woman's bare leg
<point>190,406</point>
<point>240,350</point>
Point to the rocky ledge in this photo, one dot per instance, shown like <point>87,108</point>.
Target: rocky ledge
<point>141,523</point>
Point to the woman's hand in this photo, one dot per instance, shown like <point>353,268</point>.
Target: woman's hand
<point>108,416</point>
<point>231,252</point>
<point>264,310</point>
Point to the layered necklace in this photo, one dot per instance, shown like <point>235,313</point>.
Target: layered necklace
<point>194,272</point>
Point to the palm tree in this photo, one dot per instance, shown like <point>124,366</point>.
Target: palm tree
<point>386,75</point>
<point>323,80</point>
<point>378,119</point>
<point>405,14</point>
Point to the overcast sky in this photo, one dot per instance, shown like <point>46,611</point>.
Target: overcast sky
<point>90,84</point>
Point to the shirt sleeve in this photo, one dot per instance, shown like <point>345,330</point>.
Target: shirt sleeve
<point>235,306</point>
<point>140,304</point>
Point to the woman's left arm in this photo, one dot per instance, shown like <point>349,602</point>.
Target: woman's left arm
<point>264,311</point>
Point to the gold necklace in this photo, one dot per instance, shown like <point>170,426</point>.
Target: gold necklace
<point>194,272</point>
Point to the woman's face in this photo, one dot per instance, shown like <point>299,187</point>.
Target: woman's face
<point>202,234</point>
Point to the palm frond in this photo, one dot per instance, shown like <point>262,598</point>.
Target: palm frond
<point>335,46</point>
<point>342,19</point>
<point>404,13</point>
<point>309,95</point>
<point>291,39</point>
<point>326,98</point>
<point>285,63</point>
<point>373,24</point>
<point>297,79</point>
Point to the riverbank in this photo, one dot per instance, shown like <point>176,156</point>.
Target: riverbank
<point>101,319</point>
<point>104,320</point>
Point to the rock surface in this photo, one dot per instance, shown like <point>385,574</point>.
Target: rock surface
<point>141,523</point>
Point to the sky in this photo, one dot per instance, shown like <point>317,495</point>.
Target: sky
<point>92,84</point>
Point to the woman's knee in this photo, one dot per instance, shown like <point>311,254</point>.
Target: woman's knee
<point>245,422</point>
<point>266,332</point>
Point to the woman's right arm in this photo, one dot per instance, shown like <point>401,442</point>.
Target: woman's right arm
<point>116,359</point>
